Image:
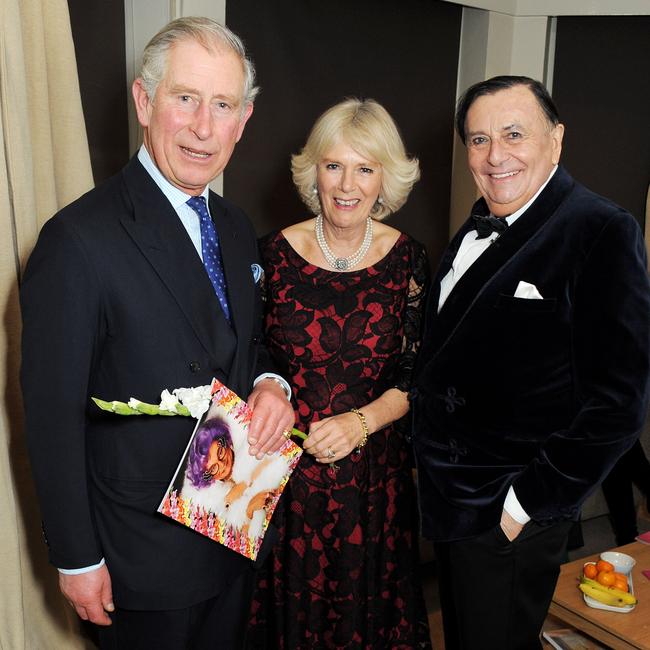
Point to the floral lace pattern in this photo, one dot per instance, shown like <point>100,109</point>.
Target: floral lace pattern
<point>345,573</point>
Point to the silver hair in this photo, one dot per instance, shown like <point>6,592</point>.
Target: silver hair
<point>205,31</point>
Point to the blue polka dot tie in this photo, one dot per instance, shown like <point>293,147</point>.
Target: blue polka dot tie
<point>211,252</point>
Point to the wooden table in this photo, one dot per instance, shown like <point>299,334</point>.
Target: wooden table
<point>616,630</point>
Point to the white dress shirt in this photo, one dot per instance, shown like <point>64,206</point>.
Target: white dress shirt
<point>469,251</point>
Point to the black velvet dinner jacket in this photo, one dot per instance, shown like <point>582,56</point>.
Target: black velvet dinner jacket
<point>543,395</point>
<point>116,303</point>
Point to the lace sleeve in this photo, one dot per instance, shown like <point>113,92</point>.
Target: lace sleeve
<point>263,289</point>
<point>413,316</point>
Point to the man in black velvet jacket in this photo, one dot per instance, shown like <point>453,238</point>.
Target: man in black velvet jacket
<point>534,368</point>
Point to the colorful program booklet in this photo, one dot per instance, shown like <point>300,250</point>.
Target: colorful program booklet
<point>219,489</point>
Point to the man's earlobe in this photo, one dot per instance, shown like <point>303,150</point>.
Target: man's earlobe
<point>248,111</point>
<point>557,135</point>
<point>141,102</point>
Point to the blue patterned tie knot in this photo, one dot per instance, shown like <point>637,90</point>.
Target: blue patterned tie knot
<point>211,253</point>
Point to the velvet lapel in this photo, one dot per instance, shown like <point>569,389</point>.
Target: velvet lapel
<point>157,231</point>
<point>430,341</point>
<point>445,264</point>
<point>487,267</point>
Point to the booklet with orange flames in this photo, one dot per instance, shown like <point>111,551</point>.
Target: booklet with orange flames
<point>219,489</point>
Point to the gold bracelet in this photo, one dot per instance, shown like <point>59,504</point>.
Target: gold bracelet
<point>364,426</point>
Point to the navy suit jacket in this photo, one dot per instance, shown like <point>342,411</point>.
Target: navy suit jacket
<point>116,303</point>
<point>543,395</point>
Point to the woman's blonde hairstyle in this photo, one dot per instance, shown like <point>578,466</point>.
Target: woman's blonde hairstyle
<point>366,126</point>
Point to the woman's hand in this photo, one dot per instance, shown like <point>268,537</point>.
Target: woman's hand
<point>333,438</point>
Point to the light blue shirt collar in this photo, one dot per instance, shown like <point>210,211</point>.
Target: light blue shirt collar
<point>175,196</point>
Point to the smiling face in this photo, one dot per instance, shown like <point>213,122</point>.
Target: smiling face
<point>197,115</point>
<point>511,147</point>
<point>348,185</point>
<point>220,461</point>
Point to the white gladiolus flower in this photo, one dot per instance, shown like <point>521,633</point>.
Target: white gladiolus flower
<point>197,399</point>
<point>168,401</point>
<point>187,402</point>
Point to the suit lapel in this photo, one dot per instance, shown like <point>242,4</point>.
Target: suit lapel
<point>512,243</point>
<point>236,267</point>
<point>159,234</point>
<point>241,289</point>
<point>447,260</point>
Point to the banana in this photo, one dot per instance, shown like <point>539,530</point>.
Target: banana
<point>628,598</point>
<point>601,596</point>
<point>606,595</point>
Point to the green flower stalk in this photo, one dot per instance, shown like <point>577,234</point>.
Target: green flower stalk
<point>170,404</point>
<point>149,409</point>
<point>115,407</point>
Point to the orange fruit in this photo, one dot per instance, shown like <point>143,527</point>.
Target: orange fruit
<point>603,565</point>
<point>620,584</point>
<point>590,570</point>
<point>606,578</point>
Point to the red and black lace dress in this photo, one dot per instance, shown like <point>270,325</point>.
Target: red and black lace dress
<point>345,572</point>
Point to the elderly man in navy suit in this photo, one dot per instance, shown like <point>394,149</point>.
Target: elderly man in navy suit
<point>149,281</point>
<point>534,368</point>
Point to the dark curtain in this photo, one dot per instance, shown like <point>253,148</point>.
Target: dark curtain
<point>98,34</point>
<point>310,55</point>
<point>602,89</point>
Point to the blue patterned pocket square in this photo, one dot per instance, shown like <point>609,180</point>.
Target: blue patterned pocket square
<point>257,272</point>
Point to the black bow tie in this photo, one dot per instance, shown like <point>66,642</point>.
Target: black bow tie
<point>485,226</point>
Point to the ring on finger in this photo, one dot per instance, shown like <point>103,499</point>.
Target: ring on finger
<point>330,452</point>
<point>287,433</point>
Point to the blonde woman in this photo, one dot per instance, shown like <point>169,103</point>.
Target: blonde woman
<point>344,301</point>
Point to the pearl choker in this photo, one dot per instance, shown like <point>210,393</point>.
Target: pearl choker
<point>343,263</point>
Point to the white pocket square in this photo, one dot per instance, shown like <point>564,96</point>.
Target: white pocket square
<point>527,290</point>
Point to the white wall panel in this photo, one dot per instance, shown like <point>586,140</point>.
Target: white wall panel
<point>561,7</point>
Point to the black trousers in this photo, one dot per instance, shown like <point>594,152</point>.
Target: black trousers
<point>495,594</point>
<point>216,624</point>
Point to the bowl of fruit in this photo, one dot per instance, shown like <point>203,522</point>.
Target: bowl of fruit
<point>604,586</point>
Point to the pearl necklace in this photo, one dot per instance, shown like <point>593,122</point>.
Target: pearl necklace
<point>343,263</point>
